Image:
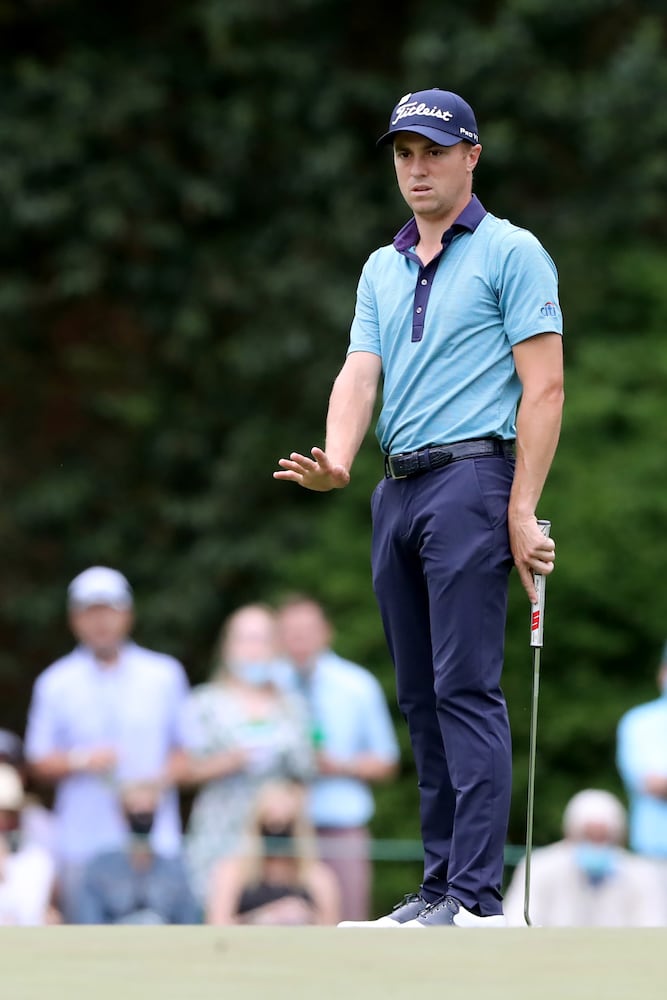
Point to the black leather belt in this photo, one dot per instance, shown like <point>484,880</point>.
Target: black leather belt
<point>413,463</point>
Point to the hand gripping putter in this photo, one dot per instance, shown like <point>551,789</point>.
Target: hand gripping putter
<point>536,641</point>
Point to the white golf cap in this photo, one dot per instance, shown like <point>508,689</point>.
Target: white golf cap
<point>100,585</point>
<point>594,806</point>
<point>11,789</point>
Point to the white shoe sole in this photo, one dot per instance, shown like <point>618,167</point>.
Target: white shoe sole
<point>380,922</point>
<point>465,919</point>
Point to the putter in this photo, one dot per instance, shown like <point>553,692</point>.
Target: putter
<point>536,641</point>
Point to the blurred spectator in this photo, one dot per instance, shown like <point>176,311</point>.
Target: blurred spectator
<point>105,714</point>
<point>642,762</point>
<point>588,879</point>
<point>11,749</point>
<point>356,745</point>
<point>241,730</point>
<point>278,879</point>
<point>134,884</point>
<point>37,822</point>
<point>26,870</point>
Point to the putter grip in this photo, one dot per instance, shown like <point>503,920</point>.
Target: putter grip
<point>537,609</point>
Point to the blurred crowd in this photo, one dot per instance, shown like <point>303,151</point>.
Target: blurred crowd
<point>272,762</point>
<point>275,757</point>
<point>610,868</point>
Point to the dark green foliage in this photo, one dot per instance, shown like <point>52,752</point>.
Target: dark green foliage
<point>188,193</point>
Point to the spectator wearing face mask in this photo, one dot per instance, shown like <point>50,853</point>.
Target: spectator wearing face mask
<point>136,885</point>
<point>26,870</point>
<point>589,879</point>
<point>276,879</point>
<point>241,730</point>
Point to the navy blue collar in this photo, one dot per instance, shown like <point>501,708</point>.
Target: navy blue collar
<point>468,219</point>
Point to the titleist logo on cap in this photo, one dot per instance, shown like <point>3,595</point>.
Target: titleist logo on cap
<point>415,108</point>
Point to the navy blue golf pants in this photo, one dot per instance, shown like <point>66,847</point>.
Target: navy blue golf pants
<point>441,561</point>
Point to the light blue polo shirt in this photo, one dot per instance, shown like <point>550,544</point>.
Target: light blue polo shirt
<point>350,715</point>
<point>642,750</point>
<point>135,708</point>
<point>445,332</point>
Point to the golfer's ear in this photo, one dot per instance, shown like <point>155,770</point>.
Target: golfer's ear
<point>474,154</point>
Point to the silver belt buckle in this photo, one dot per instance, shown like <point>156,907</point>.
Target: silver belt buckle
<point>389,466</point>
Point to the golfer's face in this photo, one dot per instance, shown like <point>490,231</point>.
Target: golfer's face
<point>434,180</point>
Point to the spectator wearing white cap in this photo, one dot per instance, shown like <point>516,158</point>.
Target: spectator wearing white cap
<point>104,715</point>
<point>589,879</point>
<point>26,870</point>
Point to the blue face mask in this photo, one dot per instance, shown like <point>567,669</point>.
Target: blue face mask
<point>596,861</point>
<point>256,673</point>
<point>13,840</point>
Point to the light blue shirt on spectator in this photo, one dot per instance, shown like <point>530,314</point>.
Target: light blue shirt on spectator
<point>350,716</point>
<point>495,286</point>
<point>133,708</point>
<point>642,750</point>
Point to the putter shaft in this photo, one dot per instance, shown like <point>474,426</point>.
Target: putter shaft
<point>531,781</point>
<point>536,640</point>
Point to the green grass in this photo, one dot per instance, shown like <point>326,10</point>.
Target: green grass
<point>202,963</point>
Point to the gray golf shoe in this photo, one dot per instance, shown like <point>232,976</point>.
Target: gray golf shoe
<point>407,910</point>
<point>448,912</point>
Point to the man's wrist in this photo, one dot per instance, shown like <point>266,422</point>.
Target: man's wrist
<point>520,510</point>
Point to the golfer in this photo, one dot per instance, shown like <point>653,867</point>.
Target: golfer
<point>459,317</point>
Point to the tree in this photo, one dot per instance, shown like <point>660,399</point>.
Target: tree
<point>189,193</point>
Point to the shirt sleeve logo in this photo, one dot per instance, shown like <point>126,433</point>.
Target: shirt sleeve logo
<point>550,310</point>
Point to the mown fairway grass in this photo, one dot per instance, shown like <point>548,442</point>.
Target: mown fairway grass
<point>202,963</point>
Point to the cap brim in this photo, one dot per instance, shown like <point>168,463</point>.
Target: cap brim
<point>434,134</point>
<point>100,600</point>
